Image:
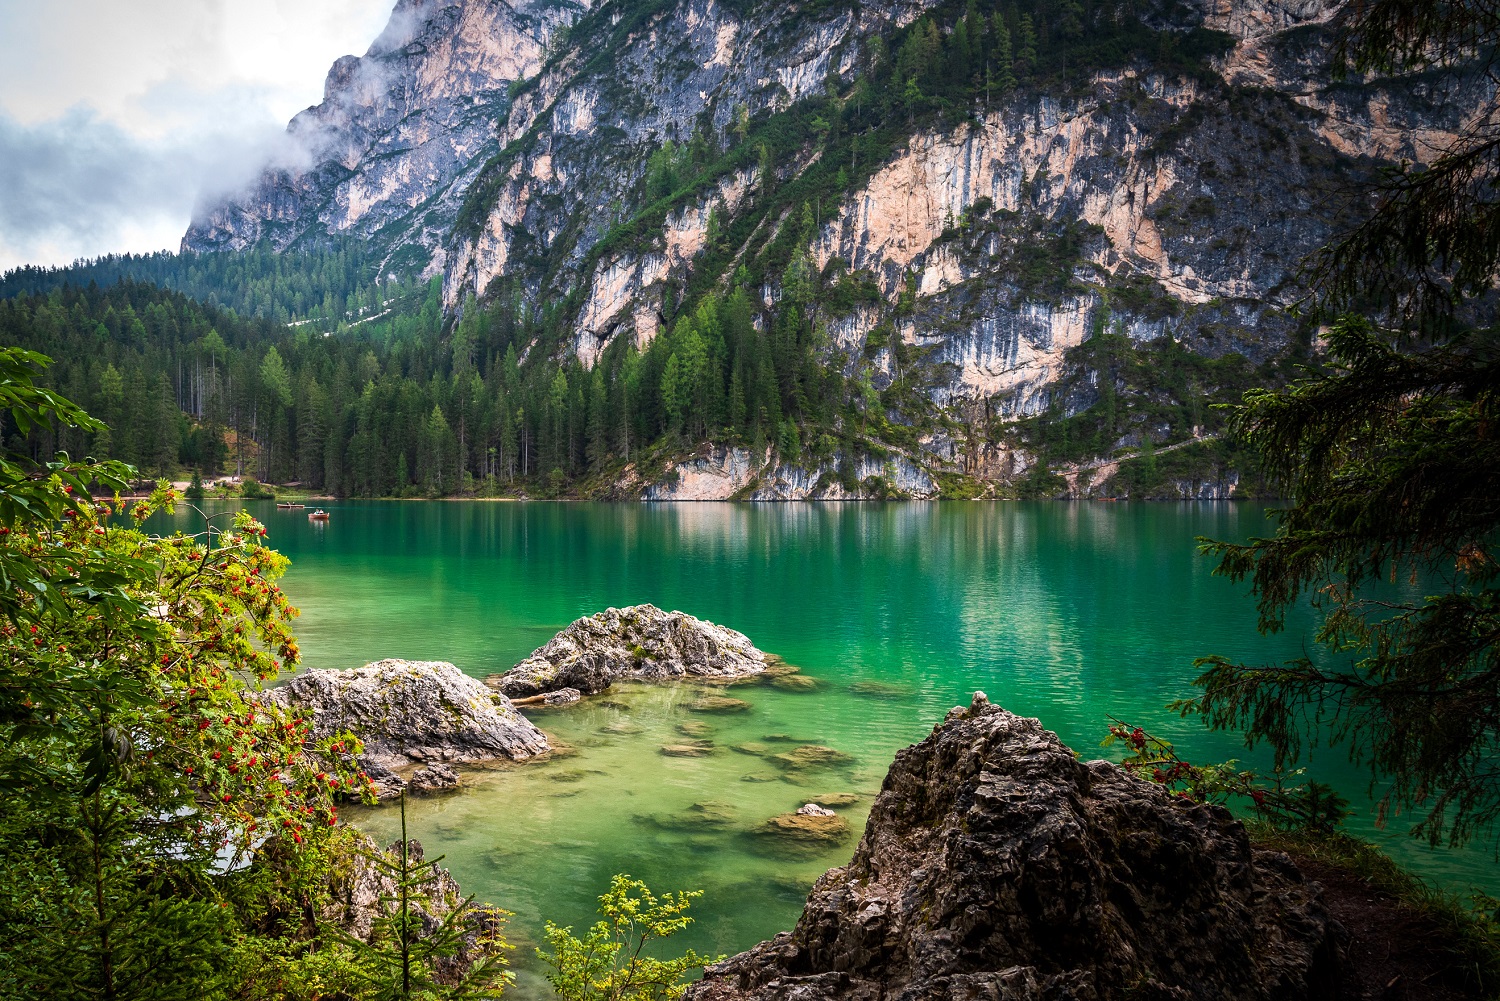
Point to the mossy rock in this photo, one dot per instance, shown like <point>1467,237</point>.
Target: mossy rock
<point>695,728</point>
<point>795,683</point>
<point>567,775</point>
<point>687,750</point>
<point>759,777</point>
<point>786,738</point>
<point>800,827</point>
<point>752,748</point>
<point>719,704</point>
<point>621,726</point>
<point>835,799</point>
<point>810,756</point>
<point>707,816</point>
<point>779,669</point>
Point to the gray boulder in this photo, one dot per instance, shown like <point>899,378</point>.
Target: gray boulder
<point>410,711</point>
<point>996,865</point>
<point>432,779</point>
<point>639,642</point>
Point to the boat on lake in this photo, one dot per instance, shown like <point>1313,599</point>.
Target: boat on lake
<point>318,515</point>
<point>289,506</point>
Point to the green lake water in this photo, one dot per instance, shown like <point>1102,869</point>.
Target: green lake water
<point>1064,611</point>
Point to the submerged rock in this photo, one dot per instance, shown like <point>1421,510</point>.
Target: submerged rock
<point>795,683</point>
<point>819,828</point>
<point>996,865</point>
<point>687,750</point>
<point>753,748</point>
<point>694,728</point>
<point>409,711</point>
<point>638,642</point>
<point>879,690</point>
<point>719,704</point>
<point>811,756</point>
<point>814,810</point>
<point>833,799</point>
<point>708,816</point>
<point>432,779</point>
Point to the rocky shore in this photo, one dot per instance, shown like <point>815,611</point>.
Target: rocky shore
<point>996,865</point>
<point>640,642</point>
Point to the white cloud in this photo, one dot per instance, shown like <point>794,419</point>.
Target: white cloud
<point>115,116</point>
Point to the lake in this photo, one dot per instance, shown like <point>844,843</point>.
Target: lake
<point>899,611</point>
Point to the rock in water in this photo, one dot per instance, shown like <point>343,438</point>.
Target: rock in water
<point>639,642</point>
<point>412,711</point>
<point>995,865</point>
<point>432,779</point>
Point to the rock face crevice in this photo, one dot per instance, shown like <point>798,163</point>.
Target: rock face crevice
<point>996,865</point>
<point>639,642</point>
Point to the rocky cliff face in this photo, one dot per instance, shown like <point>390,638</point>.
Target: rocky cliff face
<point>996,865</point>
<point>394,144</point>
<point>1151,202</point>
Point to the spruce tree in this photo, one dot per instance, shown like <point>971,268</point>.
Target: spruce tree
<point>1390,454</point>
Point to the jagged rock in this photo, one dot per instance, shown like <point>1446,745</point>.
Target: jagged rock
<point>432,779</point>
<point>411,711</point>
<point>996,865</point>
<point>638,642</point>
<point>814,810</point>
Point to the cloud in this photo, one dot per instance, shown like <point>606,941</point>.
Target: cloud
<point>115,119</point>
<point>81,185</point>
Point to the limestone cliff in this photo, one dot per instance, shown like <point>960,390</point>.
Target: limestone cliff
<point>1159,199</point>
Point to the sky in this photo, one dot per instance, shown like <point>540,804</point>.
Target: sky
<point>117,116</point>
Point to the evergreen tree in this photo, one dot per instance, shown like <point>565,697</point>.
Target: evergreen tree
<point>1390,454</point>
<point>417,936</point>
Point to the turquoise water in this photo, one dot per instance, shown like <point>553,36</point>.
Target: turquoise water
<point>1067,612</point>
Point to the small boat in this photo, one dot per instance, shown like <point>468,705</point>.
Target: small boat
<point>289,506</point>
<point>318,515</point>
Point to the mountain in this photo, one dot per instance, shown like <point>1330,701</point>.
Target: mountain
<point>1039,237</point>
<point>394,141</point>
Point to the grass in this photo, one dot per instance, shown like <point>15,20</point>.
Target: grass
<point>1473,932</point>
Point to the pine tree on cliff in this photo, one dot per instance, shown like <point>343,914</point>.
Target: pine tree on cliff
<point>1392,455</point>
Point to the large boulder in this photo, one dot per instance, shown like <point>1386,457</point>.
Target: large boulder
<point>996,865</point>
<point>409,711</point>
<point>639,642</point>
